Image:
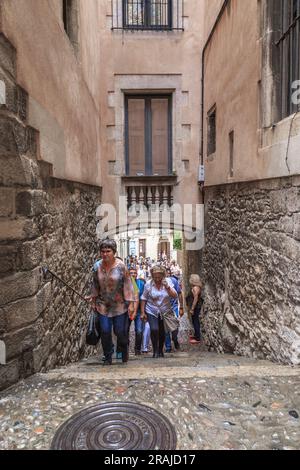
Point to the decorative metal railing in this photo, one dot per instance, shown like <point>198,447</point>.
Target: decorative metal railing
<point>141,15</point>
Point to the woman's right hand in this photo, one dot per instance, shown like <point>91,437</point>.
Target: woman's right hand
<point>91,301</point>
<point>144,317</point>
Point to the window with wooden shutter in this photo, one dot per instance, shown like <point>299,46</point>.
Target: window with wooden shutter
<point>136,136</point>
<point>160,140</point>
<point>148,135</point>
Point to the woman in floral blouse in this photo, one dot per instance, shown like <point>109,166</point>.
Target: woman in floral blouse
<point>113,297</point>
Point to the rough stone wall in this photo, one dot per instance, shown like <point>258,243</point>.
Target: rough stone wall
<point>252,269</point>
<point>43,221</point>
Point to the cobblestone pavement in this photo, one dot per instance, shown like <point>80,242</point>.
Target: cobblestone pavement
<point>214,402</point>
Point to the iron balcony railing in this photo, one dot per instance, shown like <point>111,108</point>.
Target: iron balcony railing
<point>141,15</point>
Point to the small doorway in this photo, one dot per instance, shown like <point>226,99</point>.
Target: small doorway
<point>142,248</point>
<point>163,249</point>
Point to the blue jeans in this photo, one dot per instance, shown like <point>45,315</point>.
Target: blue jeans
<point>120,326</point>
<point>139,327</point>
<point>168,342</point>
<point>146,337</point>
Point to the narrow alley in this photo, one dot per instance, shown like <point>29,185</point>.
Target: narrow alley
<point>149,179</point>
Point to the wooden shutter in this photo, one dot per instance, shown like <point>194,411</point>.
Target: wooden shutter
<point>160,138</point>
<point>136,136</point>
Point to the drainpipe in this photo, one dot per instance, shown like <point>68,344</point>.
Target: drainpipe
<point>219,17</point>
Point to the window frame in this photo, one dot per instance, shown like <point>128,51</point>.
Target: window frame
<point>211,148</point>
<point>65,16</point>
<point>289,58</point>
<point>146,25</point>
<point>70,18</point>
<point>148,133</point>
<point>231,137</point>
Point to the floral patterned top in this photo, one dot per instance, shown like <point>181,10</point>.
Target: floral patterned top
<point>112,289</point>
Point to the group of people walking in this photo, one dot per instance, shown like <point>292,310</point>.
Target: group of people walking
<point>122,296</point>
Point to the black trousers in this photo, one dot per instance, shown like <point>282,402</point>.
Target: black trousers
<point>157,332</point>
<point>196,323</point>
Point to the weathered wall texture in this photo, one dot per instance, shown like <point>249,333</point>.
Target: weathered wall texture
<point>63,83</point>
<point>211,8</point>
<point>252,269</point>
<point>43,220</point>
<point>239,79</point>
<point>231,79</point>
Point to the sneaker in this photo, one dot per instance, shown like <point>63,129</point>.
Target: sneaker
<point>168,351</point>
<point>112,352</point>
<point>119,355</point>
<point>125,357</point>
<point>195,341</point>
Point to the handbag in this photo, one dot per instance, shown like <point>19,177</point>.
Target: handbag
<point>171,322</point>
<point>93,330</point>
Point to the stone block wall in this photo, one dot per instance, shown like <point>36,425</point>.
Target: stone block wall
<point>251,265</point>
<point>43,221</point>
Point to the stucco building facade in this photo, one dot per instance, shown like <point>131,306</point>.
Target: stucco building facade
<point>251,149</point>
<point>50,179</point>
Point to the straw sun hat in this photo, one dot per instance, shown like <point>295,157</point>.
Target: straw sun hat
<point>158,270</point>
<point>195,280</point>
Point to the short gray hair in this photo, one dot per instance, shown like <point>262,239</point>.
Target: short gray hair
<point>108,244</point>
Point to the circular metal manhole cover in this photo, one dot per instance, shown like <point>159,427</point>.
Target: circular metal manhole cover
<point>116,426</point>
